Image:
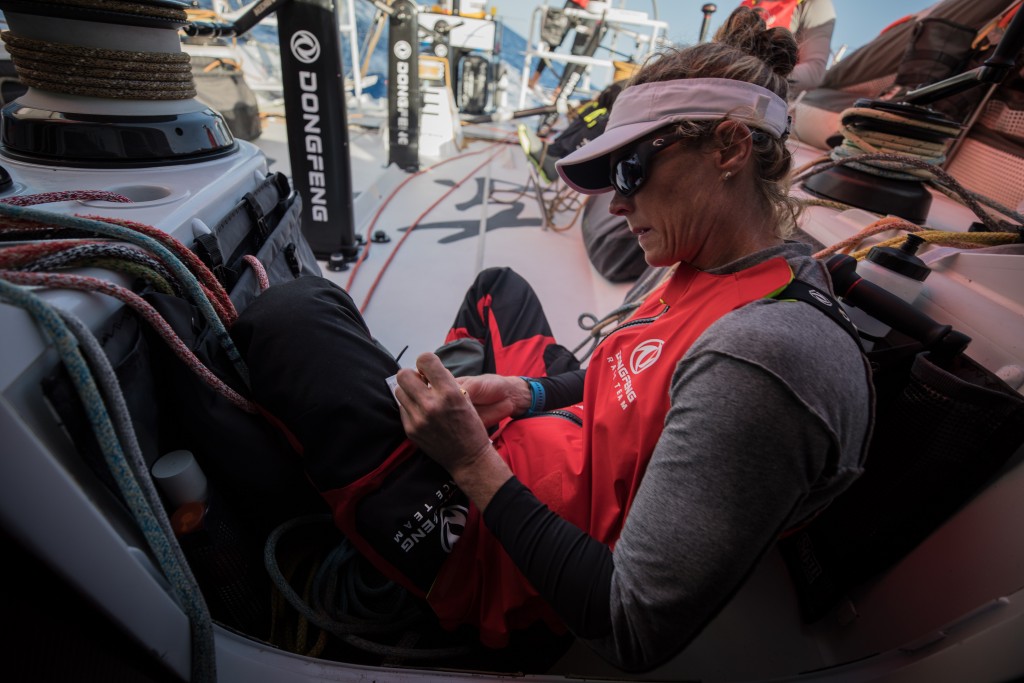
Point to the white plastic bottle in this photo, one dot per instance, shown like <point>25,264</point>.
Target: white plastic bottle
<point>897,270</point>
<point>180,479</point>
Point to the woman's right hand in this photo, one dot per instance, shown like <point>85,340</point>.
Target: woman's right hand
<point>496,397</point>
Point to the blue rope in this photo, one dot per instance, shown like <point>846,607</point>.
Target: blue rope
<point>185,276</point>
<point>106,380</point>
<point>181,580</point>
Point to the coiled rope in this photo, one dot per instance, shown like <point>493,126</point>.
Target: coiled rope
<point>907,158</point>
<point>143,9</point>
<point>861,138</point>
<point>98,72</point>
<point>867,147</point>
<point>343,603</point>
<point>939,178</point>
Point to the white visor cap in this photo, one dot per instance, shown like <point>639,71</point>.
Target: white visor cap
<point>643,109</point>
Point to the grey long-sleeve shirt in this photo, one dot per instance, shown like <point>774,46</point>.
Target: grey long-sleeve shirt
<point>769,418</point>
<point>812,25</point>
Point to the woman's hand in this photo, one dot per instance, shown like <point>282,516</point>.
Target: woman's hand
<point>439,417</point>
<point>496,397</point>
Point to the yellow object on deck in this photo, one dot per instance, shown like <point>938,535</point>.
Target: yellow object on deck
<point>624,70</point>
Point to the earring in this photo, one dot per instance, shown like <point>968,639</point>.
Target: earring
<point>726,175</point>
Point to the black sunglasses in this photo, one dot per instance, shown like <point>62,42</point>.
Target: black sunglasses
<point>629,172</point>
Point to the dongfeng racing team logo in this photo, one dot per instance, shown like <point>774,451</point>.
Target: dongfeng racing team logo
<point>305,47</point>
<point>403,50</point>
<point>453,523</point>
<point>820,298</point>
<point>645,355</point>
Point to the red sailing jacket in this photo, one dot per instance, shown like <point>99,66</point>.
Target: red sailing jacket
<point>775,12</point>
<point>590,475</point>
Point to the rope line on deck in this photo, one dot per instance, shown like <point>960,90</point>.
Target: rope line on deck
<point>161,244</point>
<point>152,520</point>
<point>116,257</point>
<point>84,283</point>
<point>906,146</point>
<point>212,286</point>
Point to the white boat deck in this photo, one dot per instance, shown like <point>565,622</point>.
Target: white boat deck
<point>479,209</point>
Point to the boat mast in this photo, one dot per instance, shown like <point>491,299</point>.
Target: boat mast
<point>315,115</point>
<point>317,123</point>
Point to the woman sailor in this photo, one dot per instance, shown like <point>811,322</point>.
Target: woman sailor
<point>636,496</point>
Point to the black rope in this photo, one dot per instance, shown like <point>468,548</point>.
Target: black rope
<point>338,580</point>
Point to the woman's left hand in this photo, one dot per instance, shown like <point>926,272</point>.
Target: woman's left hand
<point>439,417</point>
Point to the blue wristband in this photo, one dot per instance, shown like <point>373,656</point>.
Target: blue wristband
<point>537,396</point>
